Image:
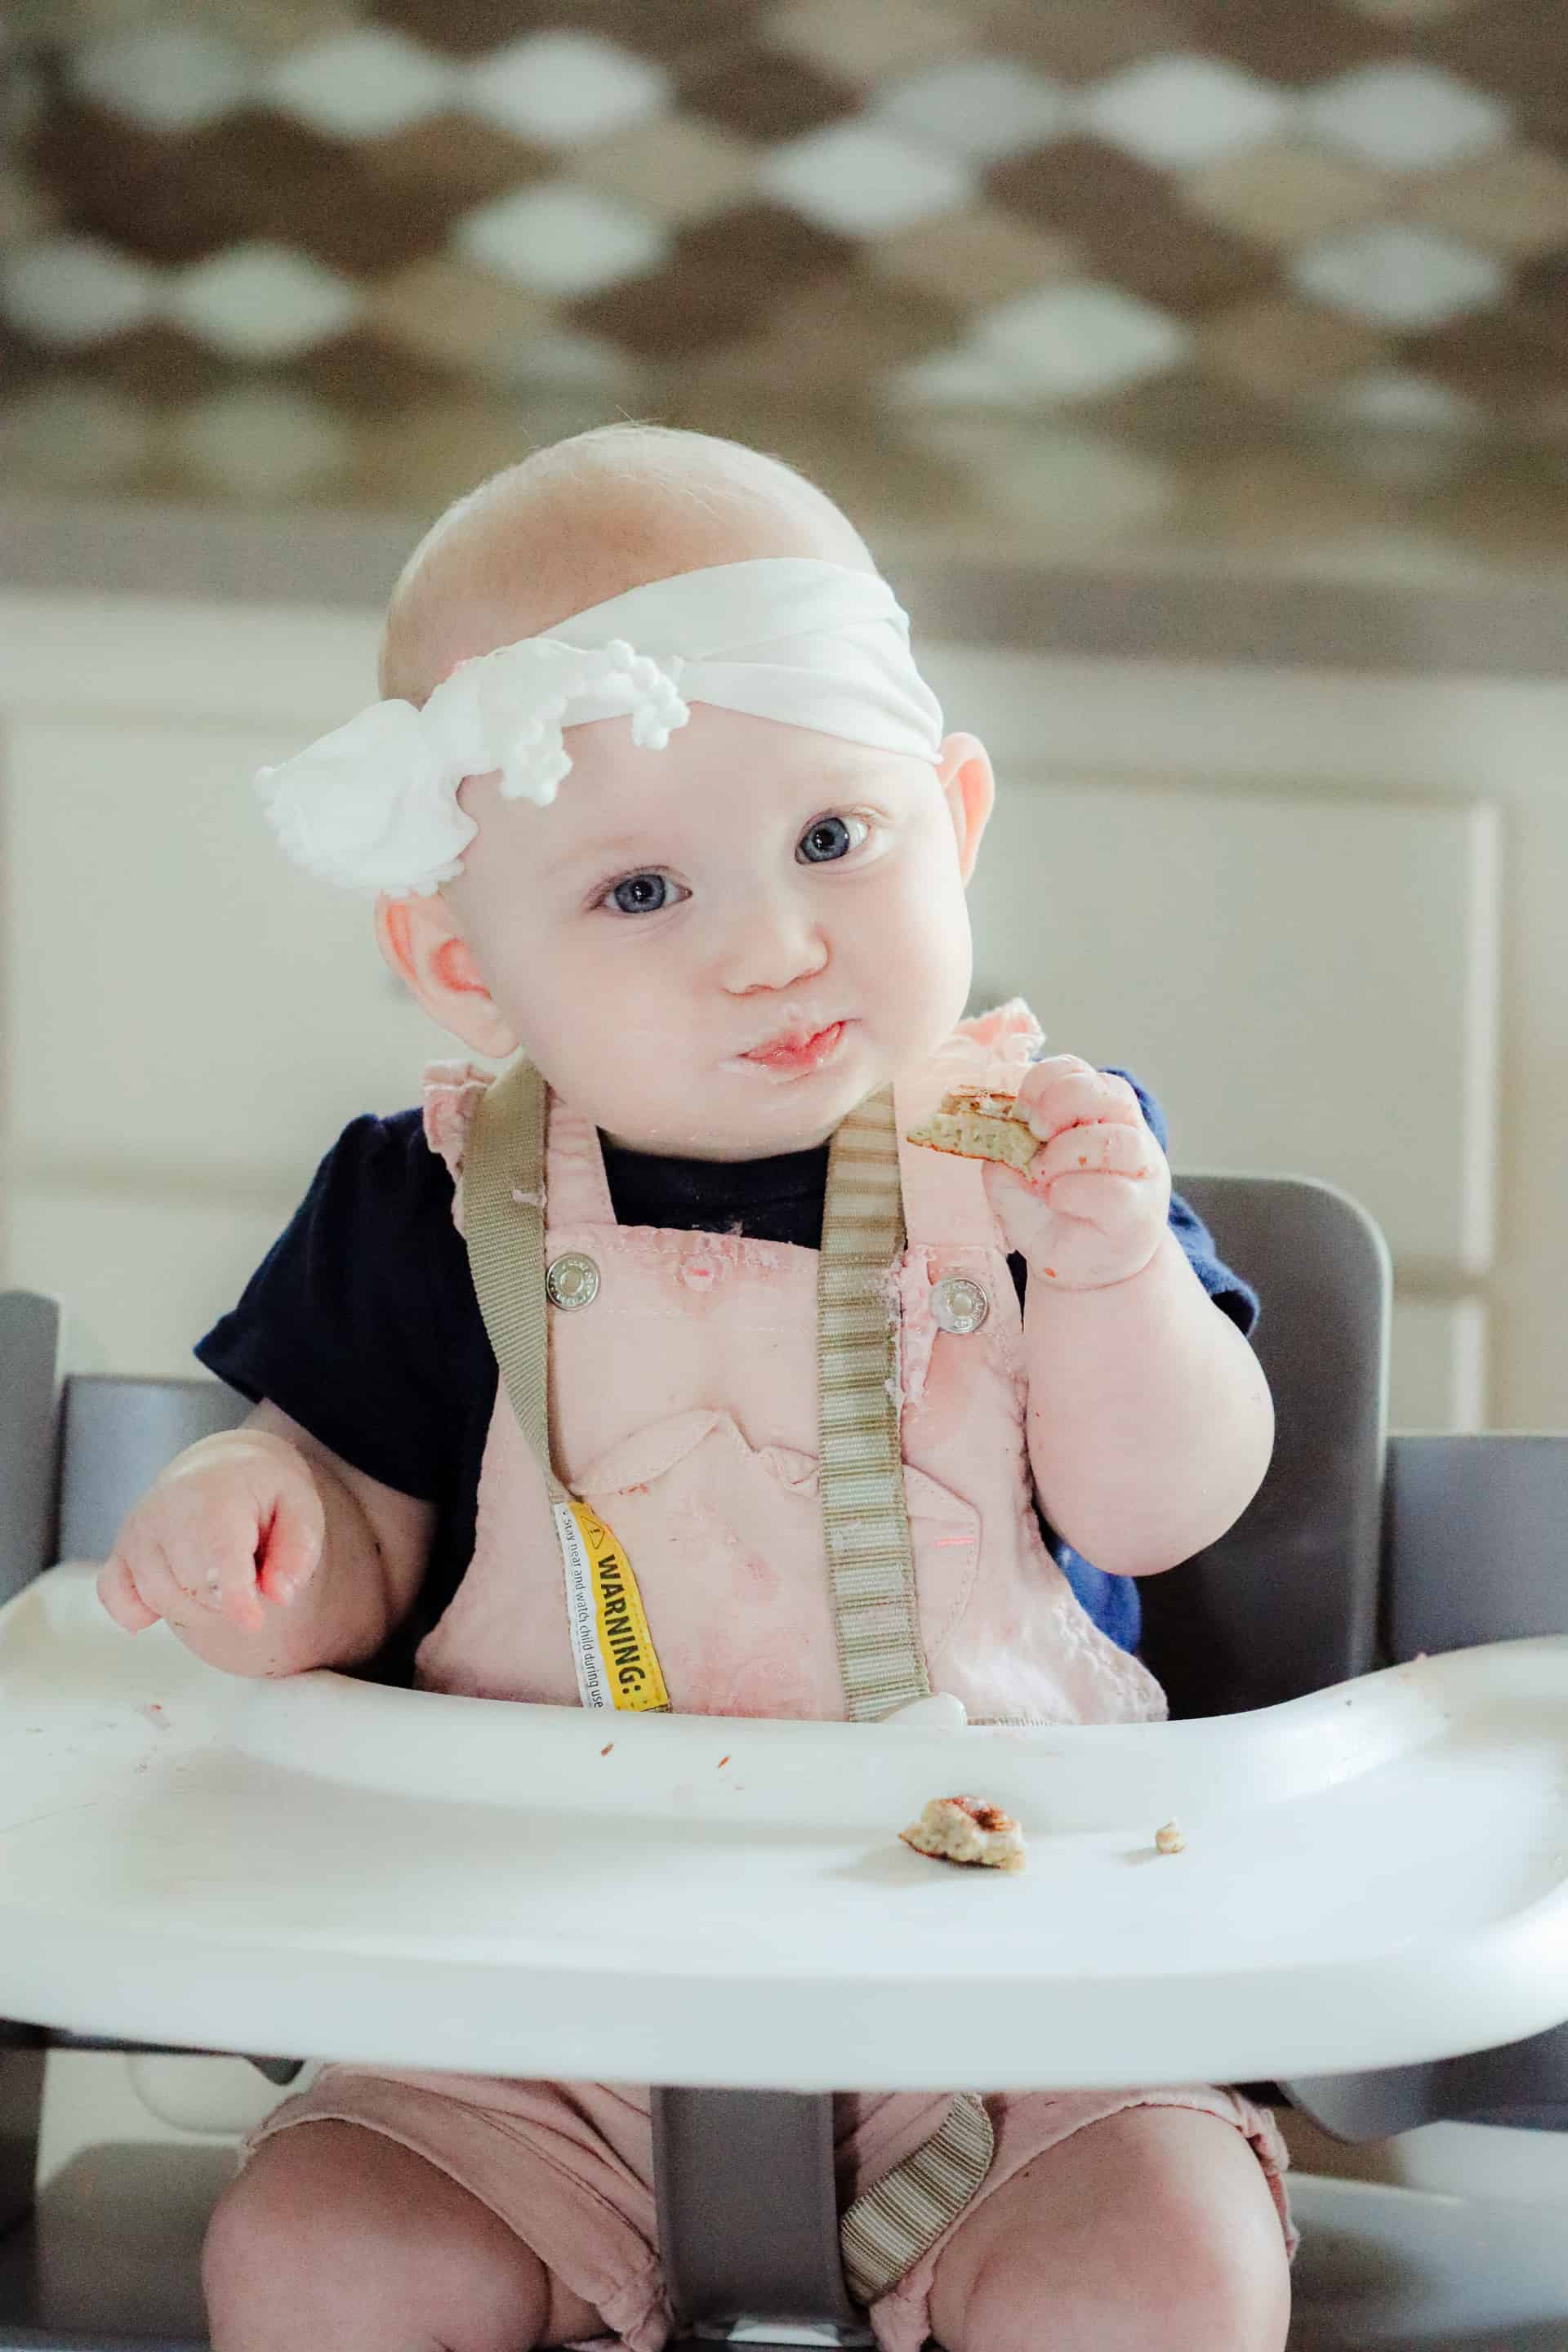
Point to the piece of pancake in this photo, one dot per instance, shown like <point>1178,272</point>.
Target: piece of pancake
<point>978,1123</point>
<point>967,1830</point>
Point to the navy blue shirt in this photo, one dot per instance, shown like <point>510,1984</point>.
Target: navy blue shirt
<point>361,1323</point>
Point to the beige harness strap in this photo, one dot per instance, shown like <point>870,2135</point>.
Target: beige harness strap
<point>871,1564</point>
<point>865,1522</point>
<point>864,1519</point>
<point>503,1224</point>
<point>888,2228</point>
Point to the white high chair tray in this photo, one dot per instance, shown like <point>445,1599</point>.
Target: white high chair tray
<point>1372,1874</point>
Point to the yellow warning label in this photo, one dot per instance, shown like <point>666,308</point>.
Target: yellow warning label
<point>610,1638</point>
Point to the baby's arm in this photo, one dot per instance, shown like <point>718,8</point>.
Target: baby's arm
<point>1149,1419</point>
<point>1150,1422</point>
<point>267,1554</point>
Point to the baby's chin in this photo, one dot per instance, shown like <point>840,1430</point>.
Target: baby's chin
<point>798,1126</point>
<point>756,1116</point>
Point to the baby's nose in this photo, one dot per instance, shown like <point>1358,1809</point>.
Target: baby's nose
<point>772,948</point>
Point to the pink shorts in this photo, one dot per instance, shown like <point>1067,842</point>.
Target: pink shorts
<point>568,2168</point>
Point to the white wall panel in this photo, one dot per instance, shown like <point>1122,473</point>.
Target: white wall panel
<point>180,998</point>
<point>1308,983</point>
<point>144,1277</point>
<point>1437,1373</point>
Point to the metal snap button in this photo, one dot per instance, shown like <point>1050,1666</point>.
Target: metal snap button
<point>959,1304</point>
<point>573,1280</point>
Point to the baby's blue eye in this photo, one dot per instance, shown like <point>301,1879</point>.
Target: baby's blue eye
<point>641,894</point>
<point>828,838</point>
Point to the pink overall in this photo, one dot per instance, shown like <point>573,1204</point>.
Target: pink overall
<point>683,1410</point>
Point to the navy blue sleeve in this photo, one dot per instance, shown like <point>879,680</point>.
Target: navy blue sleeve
<point>353,1323</point>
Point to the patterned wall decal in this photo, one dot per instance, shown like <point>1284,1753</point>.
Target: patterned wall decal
<point>1020,274</point>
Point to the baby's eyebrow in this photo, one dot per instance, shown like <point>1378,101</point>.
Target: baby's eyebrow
<point>615,849</point>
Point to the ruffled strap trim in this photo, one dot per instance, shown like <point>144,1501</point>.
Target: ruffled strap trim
<point>994,1049</point>
<point>451,1093</point>
<point>1011,1035</point>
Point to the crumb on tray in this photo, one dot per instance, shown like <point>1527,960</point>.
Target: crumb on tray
<point>967,1830</point>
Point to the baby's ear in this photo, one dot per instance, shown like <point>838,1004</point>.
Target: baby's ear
<point>969,789</point>
<point>420,940</point>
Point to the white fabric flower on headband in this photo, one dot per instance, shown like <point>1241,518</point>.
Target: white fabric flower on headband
<point>519,698</point>
<point>786,638</point>
<point>374,805</point>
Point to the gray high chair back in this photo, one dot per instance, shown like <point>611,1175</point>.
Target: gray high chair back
<point>1357,1551</point>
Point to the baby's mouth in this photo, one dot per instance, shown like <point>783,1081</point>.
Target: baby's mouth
<point>796,1051</point>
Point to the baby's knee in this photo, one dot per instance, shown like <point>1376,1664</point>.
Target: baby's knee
<point>295,2251</point>
<point>266,2230</point>
<point>1155,2226</point>
<point>1211,2261</point>
<point>1225,2293</point>
<point>333,2235</point>
<point>1202,2295</point>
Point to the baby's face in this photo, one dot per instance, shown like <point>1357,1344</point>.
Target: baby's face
<point>720,948</point>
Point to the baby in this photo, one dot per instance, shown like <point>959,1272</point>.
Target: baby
<point>832,1423</point>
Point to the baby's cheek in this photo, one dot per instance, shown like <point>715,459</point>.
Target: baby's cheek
<point>923,951</point>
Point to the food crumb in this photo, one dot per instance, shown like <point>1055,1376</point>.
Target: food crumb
<point>605,1751</point>
<point>1170,1839</point>
<point>722,1761</point>
<point>969,1830</point>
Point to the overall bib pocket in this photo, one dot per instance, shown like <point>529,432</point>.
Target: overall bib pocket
<point>726,1541</point>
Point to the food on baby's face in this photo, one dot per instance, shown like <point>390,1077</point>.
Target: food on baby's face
<point>967,1830</point>
<point>978,1123</point>
<point>1170,1839</point>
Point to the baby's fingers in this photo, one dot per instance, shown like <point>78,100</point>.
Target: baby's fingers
<point>1106,1149</point>
<point>1113,1204</point>
<point>220,1572</point>
<point>208,1546</point>
<point>117,1590</point>
<point>1066,1092</point>
<point>290,1548</point>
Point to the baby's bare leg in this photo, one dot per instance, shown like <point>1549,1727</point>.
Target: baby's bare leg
<point>336,2235</point>
<point>1154,2227</point>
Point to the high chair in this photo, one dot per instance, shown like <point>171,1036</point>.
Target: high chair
<point>1369,1766</point>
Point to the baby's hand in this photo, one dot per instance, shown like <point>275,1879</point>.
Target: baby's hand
<point>232,1521</point>
<point>1092,1207</point>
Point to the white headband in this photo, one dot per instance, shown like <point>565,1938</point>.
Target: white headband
<point>375,803</point>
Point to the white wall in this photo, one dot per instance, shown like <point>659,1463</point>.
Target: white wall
<point>1349,960</point>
